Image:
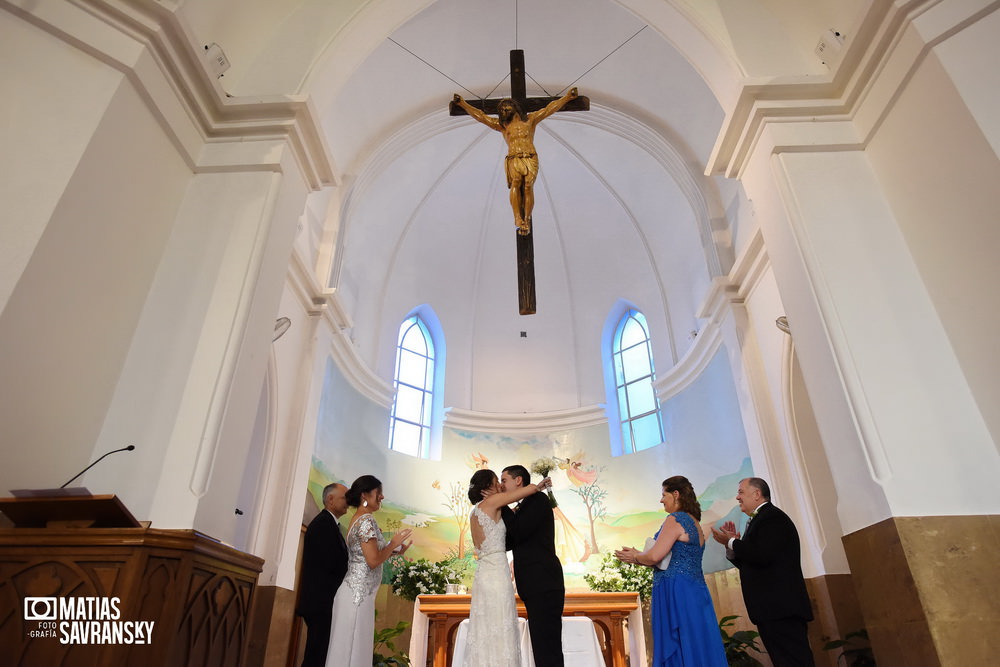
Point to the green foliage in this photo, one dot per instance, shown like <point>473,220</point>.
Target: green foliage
<point>616,576</point>
<point>422,577</point>
<point>738,644</point>
<point>857,652</point>
<point>384,638</point>
<point>593,497</point>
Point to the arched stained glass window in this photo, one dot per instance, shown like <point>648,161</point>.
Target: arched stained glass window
<point>638,407</point>
<point>412,409</point>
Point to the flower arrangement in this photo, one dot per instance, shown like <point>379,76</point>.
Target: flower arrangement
<point>616,576</point>
<point>422,577</point>
<point>545,465</point>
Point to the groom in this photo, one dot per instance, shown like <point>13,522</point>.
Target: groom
<point>537,570</point>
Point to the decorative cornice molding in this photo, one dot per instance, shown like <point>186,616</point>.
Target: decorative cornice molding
<point>149,43</point>
<point>829,107</point>
<point>357,373</point>
<point>526,422</point>
<point>326,303</point>
<point>692,364</point>
<point>750,266</point>
<point>344,352</point>
<point>722,293</point>
<point>303,284</point>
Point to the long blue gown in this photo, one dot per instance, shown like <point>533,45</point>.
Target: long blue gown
<point>685,629</point>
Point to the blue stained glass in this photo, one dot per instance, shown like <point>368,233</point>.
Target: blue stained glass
<point>409,425</point>
<point>406,438</point>
<point>415,338</point>
<point>623,402</point>
<point>647,432</point>
<point>634,330</point>
<point>641,398</point>
<point>635,362</point>
<point>409,404</point>
<point>412,369</point>
<point>633,366</point>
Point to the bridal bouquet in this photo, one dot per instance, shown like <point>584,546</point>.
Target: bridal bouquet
<point>545,465</point>
<point>616,576</point>
<point>422,577</point>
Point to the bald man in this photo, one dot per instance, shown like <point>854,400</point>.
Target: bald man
<point>324,564</point>
<point>767,555</point>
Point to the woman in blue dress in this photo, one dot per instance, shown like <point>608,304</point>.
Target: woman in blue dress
<point>685,629</point>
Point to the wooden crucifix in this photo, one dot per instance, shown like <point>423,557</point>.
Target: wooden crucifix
<point>517,117</point>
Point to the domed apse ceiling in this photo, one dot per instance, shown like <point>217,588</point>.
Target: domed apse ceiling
<point>623,213</point>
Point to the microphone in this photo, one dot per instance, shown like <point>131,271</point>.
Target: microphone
<point>123,449</point>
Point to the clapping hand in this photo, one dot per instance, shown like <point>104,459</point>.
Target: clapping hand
<point>627,555</point>
<point>725,533</point>
<point>399,543</point>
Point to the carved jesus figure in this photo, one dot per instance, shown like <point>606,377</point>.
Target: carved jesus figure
<point>518,130</point>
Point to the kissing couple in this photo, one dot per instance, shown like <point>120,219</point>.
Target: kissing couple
<point>529,532</point>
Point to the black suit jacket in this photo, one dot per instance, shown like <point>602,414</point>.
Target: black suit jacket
<point>770,568</point>
<point>324,564</point>
<point>531,536</point>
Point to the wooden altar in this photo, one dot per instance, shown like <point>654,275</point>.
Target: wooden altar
<point>196,591</point>
<point>608,611</point>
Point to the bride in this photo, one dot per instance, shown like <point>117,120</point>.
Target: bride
<point>493,638</point>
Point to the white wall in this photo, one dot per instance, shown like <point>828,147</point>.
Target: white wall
<point>940,176</point>
<point>53,101</point>
<point>66,331</point>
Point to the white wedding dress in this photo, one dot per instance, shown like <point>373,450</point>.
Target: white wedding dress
<point>493,639</point>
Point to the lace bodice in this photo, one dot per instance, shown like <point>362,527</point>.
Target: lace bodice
<point>686,558</point>
<point>363,580</point>
<point>494,533</point>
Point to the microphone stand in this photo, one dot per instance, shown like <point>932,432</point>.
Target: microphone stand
<point>123,449</point>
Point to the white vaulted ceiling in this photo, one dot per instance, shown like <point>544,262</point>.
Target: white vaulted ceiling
<point>623,214</point>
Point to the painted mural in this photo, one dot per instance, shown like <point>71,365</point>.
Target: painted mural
<point>604,502</point>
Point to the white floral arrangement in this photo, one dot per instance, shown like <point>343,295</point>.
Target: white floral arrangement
<point>543,467</point>
<point>546,464</point>
<point>616,576</point>
<point>422,577</point>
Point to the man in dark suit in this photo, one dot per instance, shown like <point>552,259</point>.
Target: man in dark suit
<point>774,591</point>
<point>324,564</point>
<point>538,573</point>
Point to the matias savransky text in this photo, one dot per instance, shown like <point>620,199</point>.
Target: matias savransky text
<point>84,620</point>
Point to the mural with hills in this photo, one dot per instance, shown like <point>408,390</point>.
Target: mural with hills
<point>604,502</point>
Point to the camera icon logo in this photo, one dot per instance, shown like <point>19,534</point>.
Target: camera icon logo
<point>41,609</point>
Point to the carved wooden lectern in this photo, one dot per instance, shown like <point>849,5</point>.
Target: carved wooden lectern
<point>196,591</point>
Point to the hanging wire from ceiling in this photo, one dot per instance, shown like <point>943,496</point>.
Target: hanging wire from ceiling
<point>613,51</point>
<point>500,83</point>
<point>433,67</point>
<point>516,6</point>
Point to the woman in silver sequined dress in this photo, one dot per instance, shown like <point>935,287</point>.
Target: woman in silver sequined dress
<point>353,630</point>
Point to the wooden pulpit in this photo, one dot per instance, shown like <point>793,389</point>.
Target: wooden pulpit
<point>83,583</point>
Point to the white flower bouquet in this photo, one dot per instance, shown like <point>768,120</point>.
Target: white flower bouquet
<point>543,467</point>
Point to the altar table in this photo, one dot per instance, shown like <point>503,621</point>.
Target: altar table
<point>436,619</point>
<point>581,648</point>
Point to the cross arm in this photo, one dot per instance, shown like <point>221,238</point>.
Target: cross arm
<point>489,106</point>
